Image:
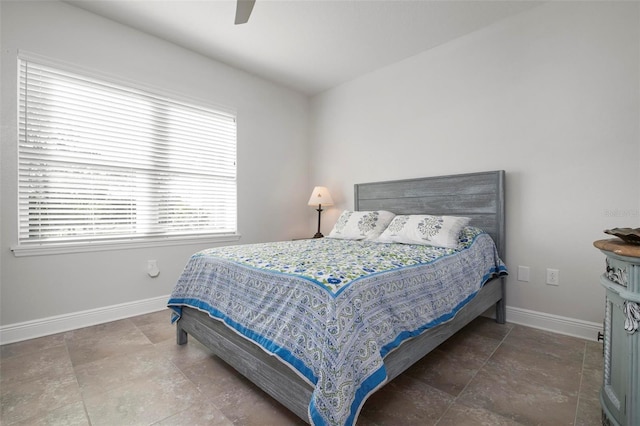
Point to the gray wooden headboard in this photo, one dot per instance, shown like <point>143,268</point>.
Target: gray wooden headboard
<point>479,196</point>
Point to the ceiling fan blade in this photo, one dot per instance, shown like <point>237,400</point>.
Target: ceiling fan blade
<point>243,10</point>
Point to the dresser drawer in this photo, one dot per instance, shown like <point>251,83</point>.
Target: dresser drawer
<point>617,272</point>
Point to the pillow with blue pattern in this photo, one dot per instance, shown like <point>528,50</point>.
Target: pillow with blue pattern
<point>438,231</point>
<point>366,225</point>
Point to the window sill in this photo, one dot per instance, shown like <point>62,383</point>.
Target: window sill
<point>89,246</point>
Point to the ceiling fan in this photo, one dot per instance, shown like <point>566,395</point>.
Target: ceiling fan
<point>243,10</point>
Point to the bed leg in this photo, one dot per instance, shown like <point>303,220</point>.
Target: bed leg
<point>181,335</point>
<point>501,305</point>
<point>501,312</point>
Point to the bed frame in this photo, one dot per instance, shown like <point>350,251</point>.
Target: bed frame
<point>479,196</point>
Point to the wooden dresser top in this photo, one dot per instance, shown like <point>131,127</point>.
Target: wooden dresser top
<point>619,247</point>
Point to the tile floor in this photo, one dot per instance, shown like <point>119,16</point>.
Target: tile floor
<point>131,372</point>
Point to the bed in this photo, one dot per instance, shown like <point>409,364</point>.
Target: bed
<point>290,374</point>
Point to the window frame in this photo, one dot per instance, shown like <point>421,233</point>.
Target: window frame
<point>22,248</point>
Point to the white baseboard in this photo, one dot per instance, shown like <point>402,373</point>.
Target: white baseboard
<point>557,324</point>
<point>46,326</point>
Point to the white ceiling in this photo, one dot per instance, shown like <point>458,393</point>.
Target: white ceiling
<point>307,45</point>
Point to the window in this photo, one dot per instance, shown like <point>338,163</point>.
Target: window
<point>101,162</point>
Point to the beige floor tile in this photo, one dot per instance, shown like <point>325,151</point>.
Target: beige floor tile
<point>451,366</point>
<point>183,355</point>
<point>247,405</point>
<point>406,401</point>
<point>109,373</point>
<point>142,402</point>
<point>38,397</point>
<point>488,327</point>
<point>364,421</point>
<point>461,415</point>
<point>538,367</point>
<point>51,362</point>
<point>594,356</point>
<point>592,379</point>
<point>105,340</point>
<point>214,377</point>
<point>507,393</point>
<point>132,372</point>
<point>565,348</point>
<point>199,414</point>
<point>29,346</point>
<point>589,413</point>
<point>443,372</point>
<point>156,326</point>
<point>69,415</point>
<point>481,337</point>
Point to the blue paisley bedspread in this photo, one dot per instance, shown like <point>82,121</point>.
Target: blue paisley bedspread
<point>332,309</point>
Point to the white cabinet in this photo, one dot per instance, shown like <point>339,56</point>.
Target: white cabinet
<point>620,394</point>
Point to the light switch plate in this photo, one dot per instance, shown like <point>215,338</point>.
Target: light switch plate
<point>523,273</point>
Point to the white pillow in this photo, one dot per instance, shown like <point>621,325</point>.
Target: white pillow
<point>352,225</point>
<point>438,231</point>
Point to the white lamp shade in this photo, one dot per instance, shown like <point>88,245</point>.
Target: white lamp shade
<point>320,195</point>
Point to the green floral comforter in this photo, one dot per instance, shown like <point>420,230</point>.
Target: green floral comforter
<point>332,309</point>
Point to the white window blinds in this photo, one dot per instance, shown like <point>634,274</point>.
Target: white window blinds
<point>99,161</point>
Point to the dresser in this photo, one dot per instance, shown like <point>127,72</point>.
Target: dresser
<point>620,394</point>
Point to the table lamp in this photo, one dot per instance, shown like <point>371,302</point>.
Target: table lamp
<point>320,197</point>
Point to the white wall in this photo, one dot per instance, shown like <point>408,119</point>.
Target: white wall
<point>551,96</point>
<point>272,158</point>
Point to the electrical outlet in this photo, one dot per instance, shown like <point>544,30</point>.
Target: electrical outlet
<point>152,268</point>
<point>523,273</point>
<point>553,277</point>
